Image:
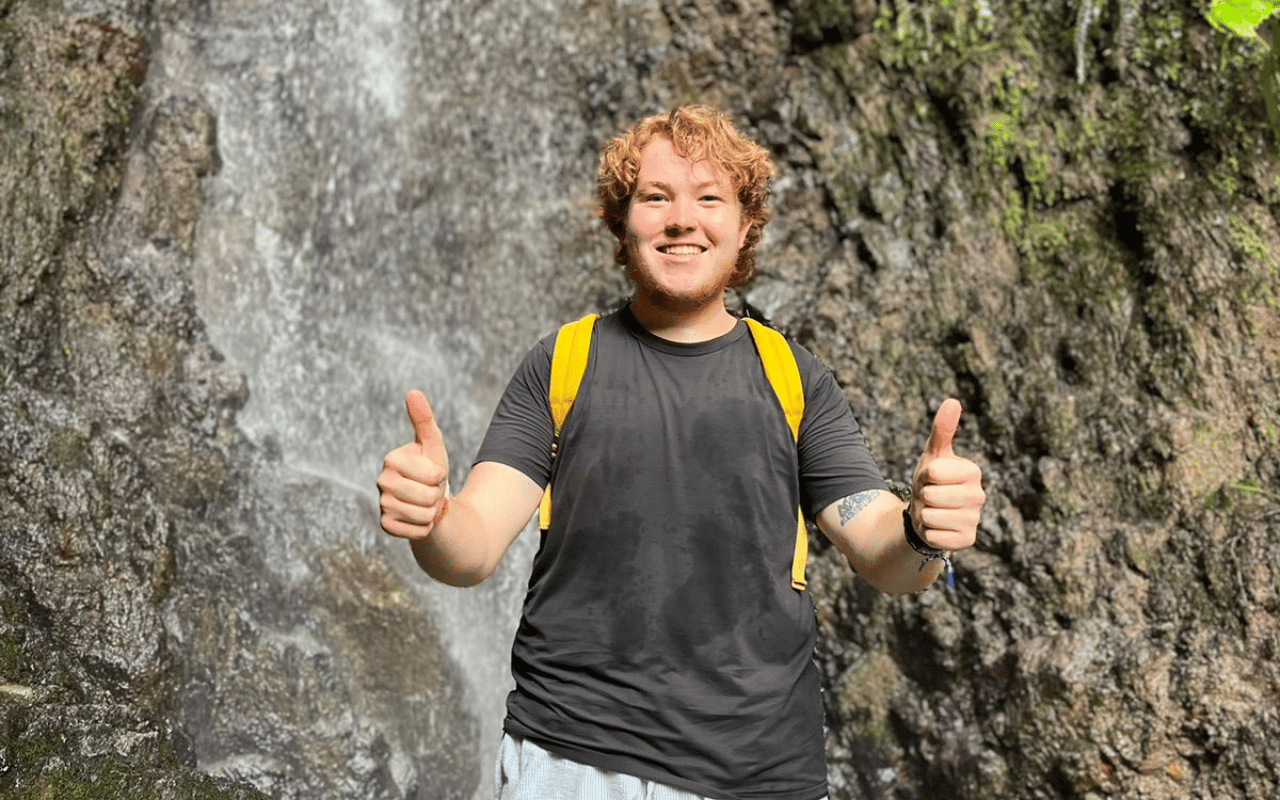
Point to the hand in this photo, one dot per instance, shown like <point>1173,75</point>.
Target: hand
<point>415,476</point>
<point>947,496</point>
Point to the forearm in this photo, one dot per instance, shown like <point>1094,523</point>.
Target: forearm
<point>868,529</point>
<point>457,552</point>
<point>886,560</point>
<point>479,526</point>
<point>947,497</point>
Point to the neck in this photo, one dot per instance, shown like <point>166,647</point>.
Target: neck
<point>687,327</point>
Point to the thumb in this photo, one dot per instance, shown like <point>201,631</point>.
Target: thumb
<point>425,430</point>
<point>945,423</point>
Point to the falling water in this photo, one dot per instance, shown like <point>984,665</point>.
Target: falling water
<point>390,183</point>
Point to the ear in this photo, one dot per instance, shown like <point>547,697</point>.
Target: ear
<point>746,228</point>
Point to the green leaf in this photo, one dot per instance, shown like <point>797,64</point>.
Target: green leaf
<point>1240,17</point>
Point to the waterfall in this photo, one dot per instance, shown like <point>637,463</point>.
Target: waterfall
<point>393,175</point>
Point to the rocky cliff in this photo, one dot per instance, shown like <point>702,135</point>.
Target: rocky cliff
<point>143,633</point>
<point>234,233</point>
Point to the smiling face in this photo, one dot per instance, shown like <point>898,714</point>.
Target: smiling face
<point>684,228</point>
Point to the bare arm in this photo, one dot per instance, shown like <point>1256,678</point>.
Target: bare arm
<point>457,540</point>
<point>867,528</point>
<point>946,504</point>
<point>483,520</point>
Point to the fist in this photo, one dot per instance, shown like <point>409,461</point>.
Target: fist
<point>415,476</point>
<point>947,496</point>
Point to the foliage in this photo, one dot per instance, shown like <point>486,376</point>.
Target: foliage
<point>1242,18</point>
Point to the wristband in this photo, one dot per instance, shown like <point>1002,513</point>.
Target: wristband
<point>930,553</point>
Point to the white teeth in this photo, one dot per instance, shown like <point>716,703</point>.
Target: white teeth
<point>681,250</point>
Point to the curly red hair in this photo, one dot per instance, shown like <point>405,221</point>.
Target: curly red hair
<point>698,133</point>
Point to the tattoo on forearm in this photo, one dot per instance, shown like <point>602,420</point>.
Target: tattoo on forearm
<point>851,505</point>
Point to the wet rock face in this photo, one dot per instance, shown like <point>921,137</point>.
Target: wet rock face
<point>1066,220</point>
<point>95,401</point>
<point>141,629</point>
<point>1089,267</point>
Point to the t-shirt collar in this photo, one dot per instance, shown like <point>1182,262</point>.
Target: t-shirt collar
<point>650,340</point>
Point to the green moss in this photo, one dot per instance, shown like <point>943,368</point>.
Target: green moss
<point>49,765</point>
<point>1001,139</point>
<point>1250,487</point>
<point>11,660</point>
<point>1160,41</point>
<point>1218,500</point>
<point>865,694</point>
<point>69,450</point>
<point>1047,239</point>
<point>1249,243</point>
<point>1262,269</point>
<point>1036,171</point>
<point>1064,250</point>
<point>67,785</point>
<point>1225,177</point>
<point>1013,217</point>
<point>929,34</point>
<point>1040,243</point>
<point>119,781</point>
<point>884,19</point>
<point>819,20</point>
<point>1137,554</point>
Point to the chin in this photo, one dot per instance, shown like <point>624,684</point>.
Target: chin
<point>672,300</point>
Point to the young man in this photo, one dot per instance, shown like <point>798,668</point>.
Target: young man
<point>664,651</point>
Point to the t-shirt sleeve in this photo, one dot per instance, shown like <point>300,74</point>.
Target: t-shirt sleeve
<point>834,459</point>
<point>521,431</point>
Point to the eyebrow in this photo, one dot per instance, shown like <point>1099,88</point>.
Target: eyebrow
<point>667,187</point>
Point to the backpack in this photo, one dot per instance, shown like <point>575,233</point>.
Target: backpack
<point>569,362</point>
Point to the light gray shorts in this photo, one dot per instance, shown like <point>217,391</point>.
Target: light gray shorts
<point>527,772</point>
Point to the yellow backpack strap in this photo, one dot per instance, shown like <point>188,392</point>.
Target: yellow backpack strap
<point>784,376</point>
<point>568,363</point>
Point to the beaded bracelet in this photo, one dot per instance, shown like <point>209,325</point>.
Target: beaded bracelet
<point>930,553</point>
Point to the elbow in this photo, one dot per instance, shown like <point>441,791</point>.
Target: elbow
<point>893,582</point>
<point>462,576</point>
<point>459,579</point>
<point>899,584</point>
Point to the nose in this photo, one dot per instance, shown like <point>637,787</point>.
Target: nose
<point>680,216</point>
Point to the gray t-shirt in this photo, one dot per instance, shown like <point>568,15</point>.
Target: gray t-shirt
<point>661,636</point>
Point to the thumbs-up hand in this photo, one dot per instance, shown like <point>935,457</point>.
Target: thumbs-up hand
<point>947,496</point>
<point>415,476</point>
